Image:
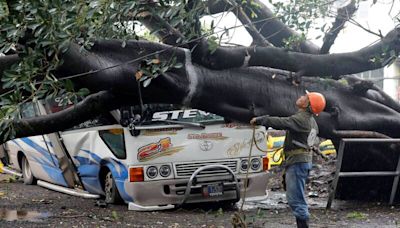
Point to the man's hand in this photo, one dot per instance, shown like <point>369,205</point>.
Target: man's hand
<point>253,121</point>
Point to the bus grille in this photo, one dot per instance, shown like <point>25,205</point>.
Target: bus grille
<point>188,168</point>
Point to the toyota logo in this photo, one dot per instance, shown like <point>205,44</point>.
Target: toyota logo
<point>206,145</point>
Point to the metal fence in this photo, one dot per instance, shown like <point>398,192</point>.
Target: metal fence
<point>339,174</point>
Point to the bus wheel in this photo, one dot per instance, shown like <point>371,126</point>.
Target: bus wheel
<point>27,174</point>
<point>110,190</point>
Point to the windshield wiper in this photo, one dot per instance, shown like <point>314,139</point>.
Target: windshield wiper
<point>199,125</point>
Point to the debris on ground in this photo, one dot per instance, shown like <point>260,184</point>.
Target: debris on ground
<point>101,203</point>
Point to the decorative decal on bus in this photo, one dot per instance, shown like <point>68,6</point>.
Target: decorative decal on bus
<point>236,148</point>
<point>238,126</point>
<point>151,151</point>
<point>202,136</point>
<point>166,131</point>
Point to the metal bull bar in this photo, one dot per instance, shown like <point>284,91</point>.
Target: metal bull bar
<point>207,167</point>
<point>338,173</point>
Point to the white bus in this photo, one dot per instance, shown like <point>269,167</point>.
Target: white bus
<point>171,157</point>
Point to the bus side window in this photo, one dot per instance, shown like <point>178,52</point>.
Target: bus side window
<point>29,110</point>
<point>114,139</point>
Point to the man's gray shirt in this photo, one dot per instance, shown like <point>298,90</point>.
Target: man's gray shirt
<point>298,127</point>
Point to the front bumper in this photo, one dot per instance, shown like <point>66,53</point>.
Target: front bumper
<point>163,194</point>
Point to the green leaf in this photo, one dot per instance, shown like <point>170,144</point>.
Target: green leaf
<point>178,65</point>
<point>83,92</point>
<point>69,86</point>
<point>356,215</point>
<point>4,12</point>
<point>253,14</point>
<point>212,44</point>
<point>147,82</point>
<point>164,69</point>
<point>34,26</point>
<point>45,43</point>
<point>63,46</point>
<point>6,48</point>
<point>115,215</point>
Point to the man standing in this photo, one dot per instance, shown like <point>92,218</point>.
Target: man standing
<point>301,134</point>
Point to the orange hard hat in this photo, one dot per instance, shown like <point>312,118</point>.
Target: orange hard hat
<point>317,102</point>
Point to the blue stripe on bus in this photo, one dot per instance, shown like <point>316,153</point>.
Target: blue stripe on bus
<point>90,166</point>
<point>55,174</point>
<point>40,149</point>
<point>49,165</point>
<point>82,160</point>
<point>120,179</point>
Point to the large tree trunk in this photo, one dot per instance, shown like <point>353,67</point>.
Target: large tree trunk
<point>238,93</point>
<point>235,93</point>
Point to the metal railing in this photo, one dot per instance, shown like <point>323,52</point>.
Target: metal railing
<point>339,174</point>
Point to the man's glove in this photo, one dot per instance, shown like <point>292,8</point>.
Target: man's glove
<point>253,121</point>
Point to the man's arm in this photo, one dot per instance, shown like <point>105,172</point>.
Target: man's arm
<point>280,123</point>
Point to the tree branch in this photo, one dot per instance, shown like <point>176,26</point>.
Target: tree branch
<point>274,30</point>
<point>343,15</point>
<point>166,33</point>
<point>245,19</point>
<point>90,107</point>
<point>359,134</point>
<point>371,91</point>
<point>368,58</point>
<point>364,28</point>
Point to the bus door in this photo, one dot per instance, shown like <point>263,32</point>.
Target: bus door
<point>62,159</point>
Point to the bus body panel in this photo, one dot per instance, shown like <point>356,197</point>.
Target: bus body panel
<point>213,142</point>
<point>43,164</point>
<point>183,148</point>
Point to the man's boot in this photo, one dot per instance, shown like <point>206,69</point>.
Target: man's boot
<point>301,223</point>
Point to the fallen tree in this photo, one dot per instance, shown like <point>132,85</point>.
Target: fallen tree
<point>235,82</point>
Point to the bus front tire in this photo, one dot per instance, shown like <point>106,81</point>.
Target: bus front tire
<point>27,174</point>
<point>112,195</point>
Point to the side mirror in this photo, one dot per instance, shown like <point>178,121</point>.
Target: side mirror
<point>132,122</point>
<point>124,118</point>
<point>134,132</point>
<point>129,117</point>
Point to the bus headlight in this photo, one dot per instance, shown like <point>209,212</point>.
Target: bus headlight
<point>244,165</point>
<point>255,164</point>
<point>151,172</point>
<point>165,170</point>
